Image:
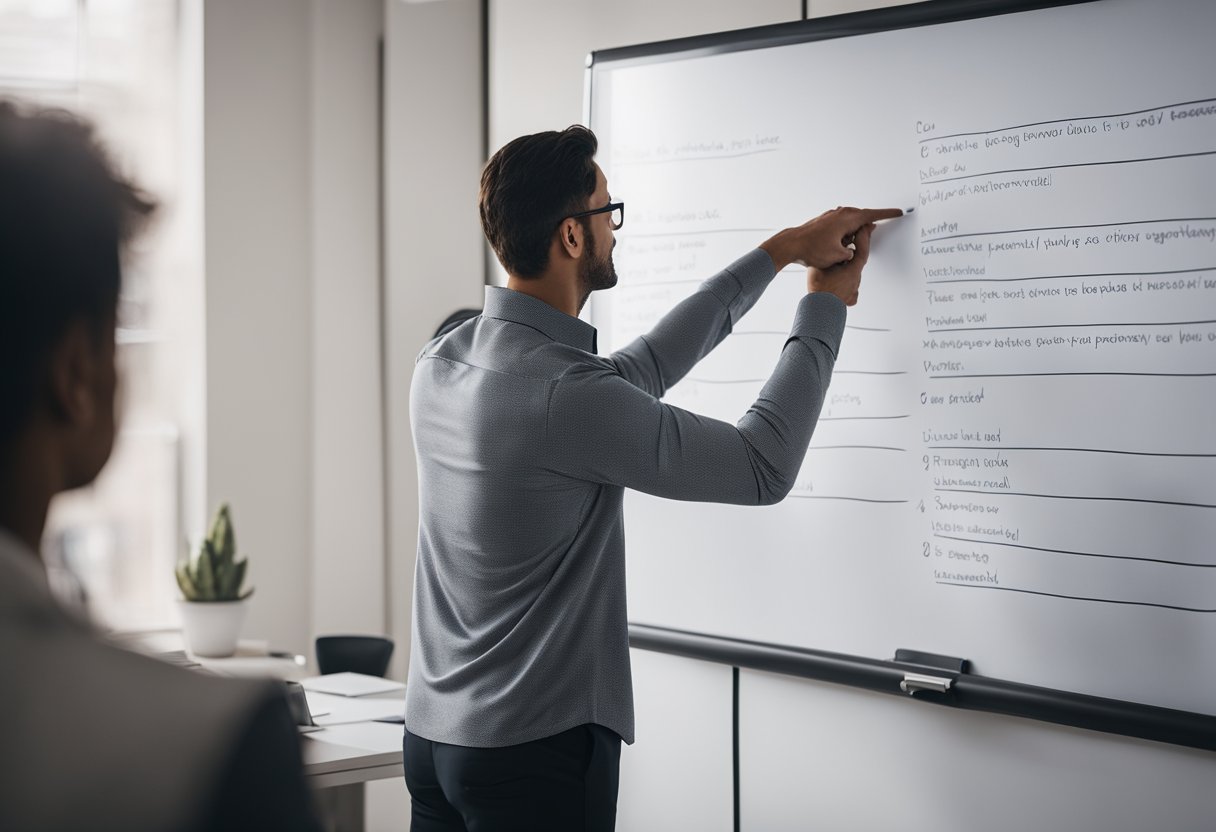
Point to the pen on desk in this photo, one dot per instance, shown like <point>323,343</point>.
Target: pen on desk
<point>284,654</point>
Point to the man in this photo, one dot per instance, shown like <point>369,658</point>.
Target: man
<point>519,687</point>
<point>94,737</point>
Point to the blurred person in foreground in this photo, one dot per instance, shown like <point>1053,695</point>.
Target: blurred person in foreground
<point>93,736</point>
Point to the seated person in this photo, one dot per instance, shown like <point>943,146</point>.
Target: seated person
<point>92,736</point>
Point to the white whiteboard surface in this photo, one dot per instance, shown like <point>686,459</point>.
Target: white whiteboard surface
<point>1033,361</point>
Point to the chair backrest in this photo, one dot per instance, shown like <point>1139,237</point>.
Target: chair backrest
<point>354,654</point>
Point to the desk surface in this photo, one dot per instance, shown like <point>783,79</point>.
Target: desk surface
<point>345,752</point>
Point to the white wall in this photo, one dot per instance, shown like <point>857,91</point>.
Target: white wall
<point>433,240</point>
<point>259,303</point>
<point>291,191</point>
<point>348,508</point>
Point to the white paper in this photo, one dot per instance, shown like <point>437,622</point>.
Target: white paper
<point>350,684</point>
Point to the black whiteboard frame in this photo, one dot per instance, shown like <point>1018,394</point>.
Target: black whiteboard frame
<point>967,691</point>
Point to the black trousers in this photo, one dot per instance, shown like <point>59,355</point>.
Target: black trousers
<point>564,783</point>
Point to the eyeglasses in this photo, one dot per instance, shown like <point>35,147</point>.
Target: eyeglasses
<point>616,209</point>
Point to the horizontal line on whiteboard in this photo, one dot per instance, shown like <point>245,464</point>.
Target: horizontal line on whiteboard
<point>837,497</point>
<point>616,163</point>
<point>698,231</point>
<point>699,380</point>
<point>857,447</point>
<point>1181,503</point>
<point>776,332</point>
<point>1073,326</point>
<point>1080,554</point>
<point>869,372</point>
<point>858,418</point>
<point>650,283</point>
<point>1078,597</point>
<point>1071,165</point>
<point>725,380</point>
<point>1065,276</point>
<point>1062,120</point>
<point>1078,373</point>
<point>1045,448</point>
<point>1063,227</point>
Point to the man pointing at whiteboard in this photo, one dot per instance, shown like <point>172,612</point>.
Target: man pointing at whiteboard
<point>519,685</point>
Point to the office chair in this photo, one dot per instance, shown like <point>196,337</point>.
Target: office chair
<point>354,654</point>
<point>454,320</point>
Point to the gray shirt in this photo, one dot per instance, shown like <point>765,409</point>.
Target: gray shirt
<point>526,440</point>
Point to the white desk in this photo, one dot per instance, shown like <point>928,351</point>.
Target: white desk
<point>353,753</point>
<point>340,758</point>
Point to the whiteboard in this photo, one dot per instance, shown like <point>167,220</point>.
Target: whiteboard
<point>1016,459</point>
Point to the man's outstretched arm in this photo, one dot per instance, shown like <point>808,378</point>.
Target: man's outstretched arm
<point>602,428</point>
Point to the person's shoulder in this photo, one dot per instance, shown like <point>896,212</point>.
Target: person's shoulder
<point>138,743</point>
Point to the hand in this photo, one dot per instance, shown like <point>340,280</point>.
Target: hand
<point>844,279</point>
<point>822,242</point>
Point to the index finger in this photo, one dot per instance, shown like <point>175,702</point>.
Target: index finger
<point>875,214</point>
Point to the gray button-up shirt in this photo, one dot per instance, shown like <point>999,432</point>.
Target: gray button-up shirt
<point>526,440</point>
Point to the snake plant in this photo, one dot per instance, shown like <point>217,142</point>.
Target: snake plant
<point>214,573</point>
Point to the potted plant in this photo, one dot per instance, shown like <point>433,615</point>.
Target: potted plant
<point>213,608</point>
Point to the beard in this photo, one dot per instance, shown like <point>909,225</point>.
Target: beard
<point>594,271</point>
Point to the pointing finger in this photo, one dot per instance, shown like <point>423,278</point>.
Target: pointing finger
<point>868,215</point>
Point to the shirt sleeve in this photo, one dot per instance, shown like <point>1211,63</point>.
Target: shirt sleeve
<point>689,332</point>
<point>603,427</point>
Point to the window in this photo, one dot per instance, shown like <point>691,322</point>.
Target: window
<point>127,65</point>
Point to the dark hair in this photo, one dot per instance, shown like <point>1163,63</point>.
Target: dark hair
<point>531,185</point>
<point>65,216</point>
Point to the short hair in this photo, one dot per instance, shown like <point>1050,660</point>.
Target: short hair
<point>528,187</point>
<point>65,217</point>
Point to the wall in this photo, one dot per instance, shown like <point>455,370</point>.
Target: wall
<point>815,755</point>
<point>348,506</point>
<point>291,177</point>
<point>433,249</point>
<point>259,307</point>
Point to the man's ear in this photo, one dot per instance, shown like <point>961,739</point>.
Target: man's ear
<point>71,389</point>
<point>570,235</point>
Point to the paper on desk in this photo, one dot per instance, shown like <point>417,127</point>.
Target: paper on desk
<point>328,709</point>
<point>350,684</point>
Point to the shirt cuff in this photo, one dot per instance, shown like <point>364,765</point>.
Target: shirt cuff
<point>821,316</point>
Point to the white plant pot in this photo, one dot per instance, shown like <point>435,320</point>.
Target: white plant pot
<point>212,627</point>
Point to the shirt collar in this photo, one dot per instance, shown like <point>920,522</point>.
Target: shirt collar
<point>22,571</point>
<point>510,305</point>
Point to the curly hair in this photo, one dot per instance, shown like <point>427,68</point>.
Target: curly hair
<point>66,215</point>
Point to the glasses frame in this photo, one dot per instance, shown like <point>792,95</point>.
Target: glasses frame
<point>610,207</point>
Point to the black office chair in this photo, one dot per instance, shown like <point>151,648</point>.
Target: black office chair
<point>454,320</point>
<point>354,654</point>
